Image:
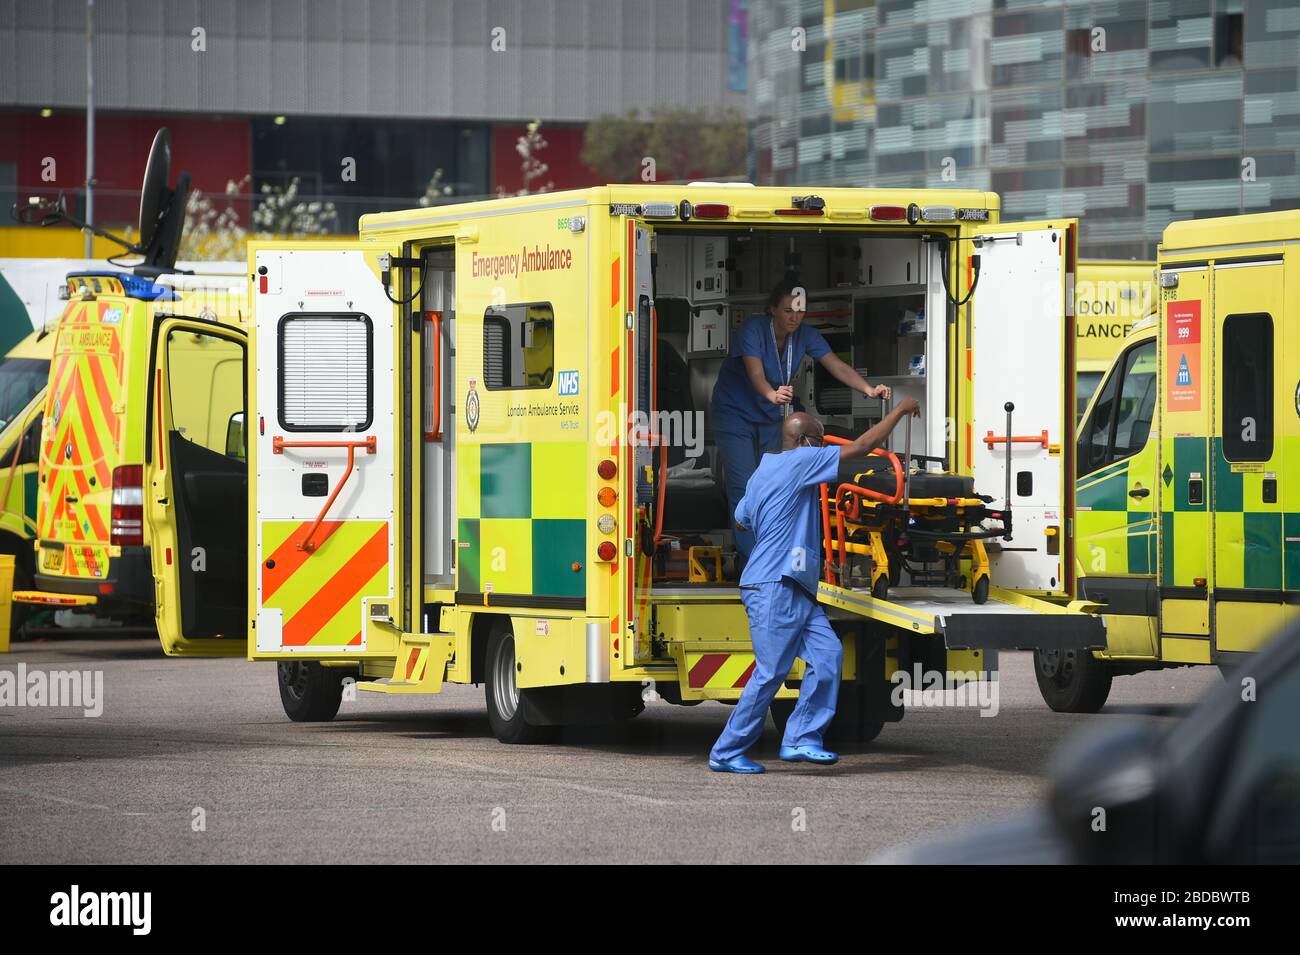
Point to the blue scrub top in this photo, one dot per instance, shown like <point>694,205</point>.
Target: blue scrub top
<point>735,401</point>
<point>782,507</point>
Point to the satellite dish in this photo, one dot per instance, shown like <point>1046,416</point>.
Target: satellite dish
<point>162,212</point>
<point>154,191</point>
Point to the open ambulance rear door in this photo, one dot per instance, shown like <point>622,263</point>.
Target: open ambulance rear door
<point>325,530</point>
<point>193,496</point>
<point>1021,354</point>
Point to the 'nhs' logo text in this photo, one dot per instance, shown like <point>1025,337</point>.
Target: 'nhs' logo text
<point>568,383</point>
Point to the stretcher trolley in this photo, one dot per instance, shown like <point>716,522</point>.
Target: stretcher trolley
<point>887,516</point>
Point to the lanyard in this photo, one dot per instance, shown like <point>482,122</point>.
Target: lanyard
<point>789,358</point>
<point>789,353</point>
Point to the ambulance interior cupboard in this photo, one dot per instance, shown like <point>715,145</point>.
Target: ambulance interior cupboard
<point>876,299</point>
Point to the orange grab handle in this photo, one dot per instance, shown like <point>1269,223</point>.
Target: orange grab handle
<point>435,319</point>
<point>278,444</point>
<point>991,439</point>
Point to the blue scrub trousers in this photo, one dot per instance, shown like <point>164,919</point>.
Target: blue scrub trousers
<point>741,451</point>
<point>785,622</point>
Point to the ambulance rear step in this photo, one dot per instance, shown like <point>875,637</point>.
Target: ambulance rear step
<point>1008,621</point>
<point>420,665</point>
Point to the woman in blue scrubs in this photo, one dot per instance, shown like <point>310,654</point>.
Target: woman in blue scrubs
<point>754,391</point>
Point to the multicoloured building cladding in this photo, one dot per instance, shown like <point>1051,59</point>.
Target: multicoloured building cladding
<point>1130,114</point>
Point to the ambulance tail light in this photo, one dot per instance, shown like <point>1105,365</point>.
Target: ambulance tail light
<point>607,469</point>
<point>127,524</point>
<point>889,213</point>
<point>606,550</point>
<point>712,210</point>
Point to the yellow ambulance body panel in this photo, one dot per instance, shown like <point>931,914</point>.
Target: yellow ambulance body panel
<point>1188,501</point>
<point>23,375</point>
<point>480,445</point>
<point>95,434</point>
<point>1110,296</point>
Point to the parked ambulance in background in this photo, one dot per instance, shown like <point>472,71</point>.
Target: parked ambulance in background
<point>1188,494</point>
<point>1109,297</point>
<point>90,548</point>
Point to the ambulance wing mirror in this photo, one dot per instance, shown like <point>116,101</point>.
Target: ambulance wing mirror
<point>1114,769</point>
<point>235,436</point>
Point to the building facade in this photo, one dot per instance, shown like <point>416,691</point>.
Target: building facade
<point>1127,113</point>
<point>268,91</point>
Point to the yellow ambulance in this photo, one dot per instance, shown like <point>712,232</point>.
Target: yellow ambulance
<point>1110,296</point>
<point>90,549</point>
<point>480,447</point>
<point>1188,530</point>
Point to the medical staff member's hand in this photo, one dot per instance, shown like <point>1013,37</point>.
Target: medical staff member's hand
<point>909,406</point>
<point>781,396</point>
<point>879,391</point>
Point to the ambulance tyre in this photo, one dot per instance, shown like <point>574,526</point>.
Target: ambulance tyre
<point>309,692</point>
<point>849,727</point>
<point>504,698</point>
<point>1072,681</point>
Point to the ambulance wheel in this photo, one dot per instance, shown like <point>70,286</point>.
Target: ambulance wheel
<point>981,592</point>
<point>850,726</point>
<point>880,587</point>
<point>1072,681</point>
<point>504,698</point>
<point>309,692</point>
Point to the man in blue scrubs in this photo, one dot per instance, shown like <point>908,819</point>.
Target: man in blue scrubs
<point>755,389</point>
<point>779,587</point>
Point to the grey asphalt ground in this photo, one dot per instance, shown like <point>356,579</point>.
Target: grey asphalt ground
<point>420,779</point>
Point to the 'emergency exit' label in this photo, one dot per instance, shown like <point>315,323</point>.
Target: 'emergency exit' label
<point>1183,356</point>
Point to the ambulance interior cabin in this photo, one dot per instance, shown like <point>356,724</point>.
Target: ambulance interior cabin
<point>876,297</point>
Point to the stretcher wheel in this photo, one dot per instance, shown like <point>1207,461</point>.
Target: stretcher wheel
<point>981,592</point>
<point>880,587</point>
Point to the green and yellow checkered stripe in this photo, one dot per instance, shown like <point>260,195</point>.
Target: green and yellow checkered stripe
<point>1257,548</point>
<point>522,527</point>
<point>1109,545</point>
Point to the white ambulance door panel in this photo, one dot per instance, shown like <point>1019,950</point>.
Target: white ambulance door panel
<point>325,451</point>
<point>1022,323</point>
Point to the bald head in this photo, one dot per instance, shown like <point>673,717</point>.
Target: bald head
<point>798,426</point>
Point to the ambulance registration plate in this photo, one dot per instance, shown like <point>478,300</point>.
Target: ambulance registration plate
<point>51,559</point>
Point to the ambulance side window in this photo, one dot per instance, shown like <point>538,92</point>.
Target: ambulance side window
<point>205,380</point>
<point>31,451</point>
<point>519,346</point>
<point>1137,403</point>
<point>1096,433</point>
<point>1121,420</point>
<point>1248,387</point>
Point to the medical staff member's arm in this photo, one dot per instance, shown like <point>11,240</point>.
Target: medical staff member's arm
<point>742,514</point>
<point>846,374</point>
<point>778,396</point>
<point>876,436</point>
